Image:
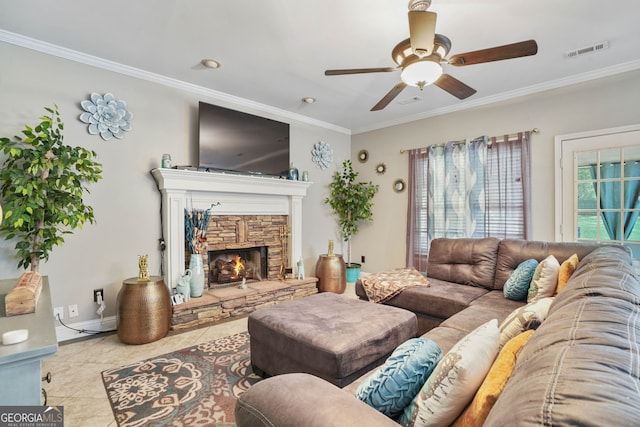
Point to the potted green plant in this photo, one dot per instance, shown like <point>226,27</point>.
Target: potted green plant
<point>42,182</point>
<point>352,202</point>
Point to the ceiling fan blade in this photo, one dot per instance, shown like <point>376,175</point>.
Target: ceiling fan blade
<point>358,71</point>
<point>508,51</point>
<point>422,30</point>
<point>454,86</point>
<point>389,96</point>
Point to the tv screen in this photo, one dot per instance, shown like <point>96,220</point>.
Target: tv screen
<point>231,140</point>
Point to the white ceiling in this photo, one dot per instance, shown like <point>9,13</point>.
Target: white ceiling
<point>274,52</point>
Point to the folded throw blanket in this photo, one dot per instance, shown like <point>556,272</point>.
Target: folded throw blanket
<point>383,286</point>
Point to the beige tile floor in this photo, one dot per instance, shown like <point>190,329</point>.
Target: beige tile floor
<point>76,369</point>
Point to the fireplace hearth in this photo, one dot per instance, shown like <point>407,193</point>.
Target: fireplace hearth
<point>230,267</point>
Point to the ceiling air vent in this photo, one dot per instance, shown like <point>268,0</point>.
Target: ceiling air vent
<point>588,49</point>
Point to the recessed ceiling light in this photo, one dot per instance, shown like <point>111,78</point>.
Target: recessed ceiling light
<point>210,63</point>
<point>308,100</point>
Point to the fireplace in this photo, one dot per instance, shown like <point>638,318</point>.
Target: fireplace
<point>237,197</point>
<point>229,267</point>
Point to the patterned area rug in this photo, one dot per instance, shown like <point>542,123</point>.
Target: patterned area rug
<point>195,386</point>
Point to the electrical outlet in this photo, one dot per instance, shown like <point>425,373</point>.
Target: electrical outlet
<point>95,294</point>
<point>362,259</point>
<point>73,310</point>
<point>58,311</point>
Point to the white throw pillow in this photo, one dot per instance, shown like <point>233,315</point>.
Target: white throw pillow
<point>516,321</point>
<point>455,380</point>
<point>545,279</point>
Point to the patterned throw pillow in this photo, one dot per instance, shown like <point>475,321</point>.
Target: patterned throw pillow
<point>500,372</point>
<point>545,279</point>
<point>516,321</point>
<point>455,380</point>
<point>566,270</point>
<point>517,285</point>
<point>394,385</point>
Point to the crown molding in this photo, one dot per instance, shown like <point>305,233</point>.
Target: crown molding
<point>504,96</point>
<point>94,61</point>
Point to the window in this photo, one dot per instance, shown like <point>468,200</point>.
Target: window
<point>599,186</point>
<point>477,188</point>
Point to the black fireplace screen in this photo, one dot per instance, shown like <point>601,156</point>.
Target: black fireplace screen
<point>230,266</point>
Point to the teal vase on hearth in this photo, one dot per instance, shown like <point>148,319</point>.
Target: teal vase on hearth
<point>197,275</point>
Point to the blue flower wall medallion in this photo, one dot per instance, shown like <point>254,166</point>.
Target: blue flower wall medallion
<point>322,155</point>
<point>106,116</point>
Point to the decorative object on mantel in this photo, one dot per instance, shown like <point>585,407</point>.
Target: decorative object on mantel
<point>106,116</point>
<point>195,223</point>
<point>322,155</point>
<point>143,268</point>
<point>381,168</point>
<point>300,269</point>
<point>44,203</point>
<point>293,173</point>
<point>24,296</point>
<point>399,185</point>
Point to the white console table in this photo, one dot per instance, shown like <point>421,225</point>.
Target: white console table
<point>20,364</point>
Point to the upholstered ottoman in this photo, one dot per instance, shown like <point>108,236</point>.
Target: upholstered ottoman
<point>328,335</point>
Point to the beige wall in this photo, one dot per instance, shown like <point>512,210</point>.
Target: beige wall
<point>126,201</point>
<point>605,103</point>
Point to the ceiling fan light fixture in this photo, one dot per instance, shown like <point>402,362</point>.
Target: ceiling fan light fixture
<point>421,73</point>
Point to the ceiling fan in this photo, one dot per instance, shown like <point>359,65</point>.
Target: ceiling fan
<point>421,55</point>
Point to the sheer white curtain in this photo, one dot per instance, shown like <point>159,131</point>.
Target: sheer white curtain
<point>472,188</point>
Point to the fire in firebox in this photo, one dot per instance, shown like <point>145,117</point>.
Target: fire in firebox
<point>233,270</point>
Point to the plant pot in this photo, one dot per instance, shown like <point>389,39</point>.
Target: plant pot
<point>353,272</point>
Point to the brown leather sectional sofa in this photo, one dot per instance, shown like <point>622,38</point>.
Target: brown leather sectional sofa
<point>581,366</point>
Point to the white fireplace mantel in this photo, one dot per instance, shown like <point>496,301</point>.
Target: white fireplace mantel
<point>225,194</point>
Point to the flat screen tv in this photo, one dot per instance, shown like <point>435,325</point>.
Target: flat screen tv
<point>234,141</point>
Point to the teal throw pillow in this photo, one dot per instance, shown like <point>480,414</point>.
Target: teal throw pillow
<point>516,287</point>
<point>394,385</point>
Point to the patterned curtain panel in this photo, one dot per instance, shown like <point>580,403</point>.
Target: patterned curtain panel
<point>472,188</point>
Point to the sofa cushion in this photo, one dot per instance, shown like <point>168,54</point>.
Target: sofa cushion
<point>476,413</point>
<point>517,286</point>
<point>566,270</point>
<point>545,279</point>
<point>581,367</point>
<point>464,261</point>
<point>495,300</point>
<point>445,337</point>
<point>394,385</point>
<point>516,322</point>
<point>512,252</point>
<point>455,380</point>
<point>440,299</point>
<point>471,317</point>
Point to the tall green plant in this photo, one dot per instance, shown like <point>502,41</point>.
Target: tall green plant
<point>351,202</point>
<point>42,184</point>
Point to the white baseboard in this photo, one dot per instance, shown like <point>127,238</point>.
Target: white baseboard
<point>84,329</point>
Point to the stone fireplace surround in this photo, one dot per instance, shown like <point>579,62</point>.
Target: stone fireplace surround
<point>225,194</point>
<point>236,200</point>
